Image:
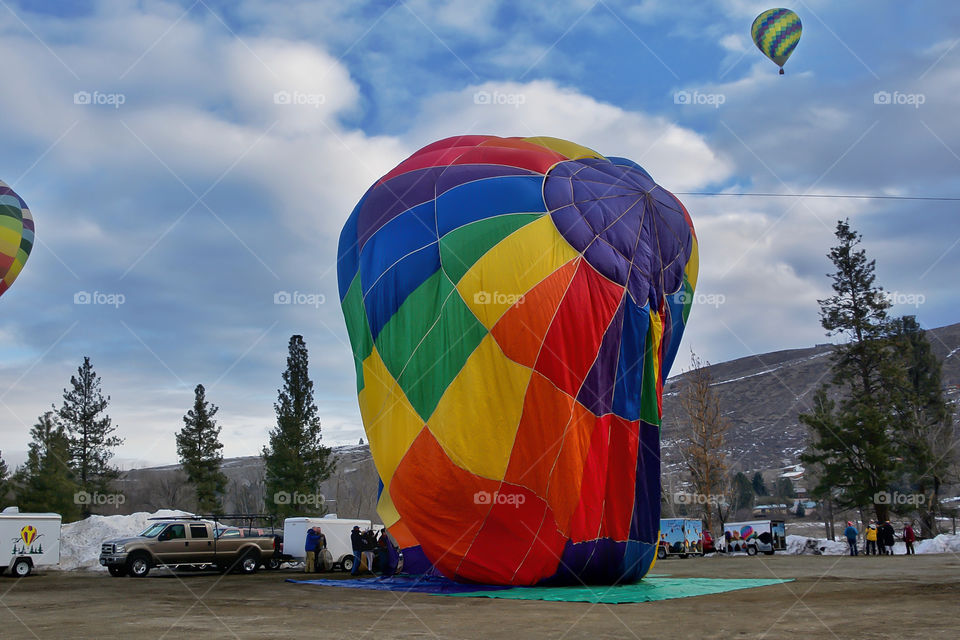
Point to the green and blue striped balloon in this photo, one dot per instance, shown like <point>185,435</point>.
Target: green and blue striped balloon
<point>776,33</point>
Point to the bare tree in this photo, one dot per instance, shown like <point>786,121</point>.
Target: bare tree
<point>703,448</point>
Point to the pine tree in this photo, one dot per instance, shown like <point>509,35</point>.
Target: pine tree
<point>296,462</point>
<point>759,487</point>
<point>201,452</point>
<point>45,482</point>
<point>925,437</point>
<point>850,439</point>
<point>743,494</point>
<point>784,489</point>
<point>89,431</point>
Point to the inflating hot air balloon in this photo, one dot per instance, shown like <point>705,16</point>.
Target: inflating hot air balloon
<point>776,33</point>
<point>16,235</point>
<point>514,306</point>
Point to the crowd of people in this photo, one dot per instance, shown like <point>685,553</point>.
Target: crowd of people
<point>373,548</point>
<point>879,538</point>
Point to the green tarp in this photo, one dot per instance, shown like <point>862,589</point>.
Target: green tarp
<point>648,590</point>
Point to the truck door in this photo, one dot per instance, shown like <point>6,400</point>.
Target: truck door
<point>199,544</point>
<point>171,546</point>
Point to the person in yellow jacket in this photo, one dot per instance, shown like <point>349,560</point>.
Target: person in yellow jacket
<point>872,538</point>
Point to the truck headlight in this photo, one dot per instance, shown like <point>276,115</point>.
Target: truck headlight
<point>118,548</point>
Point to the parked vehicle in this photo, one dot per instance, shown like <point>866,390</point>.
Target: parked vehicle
<point>32,538</point>
<point>708,546</point>
<point>680,537</point>
<point>767,536</point>
<point>185,541</point>
<point>336,530</point>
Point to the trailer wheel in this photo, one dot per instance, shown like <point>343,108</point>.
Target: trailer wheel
<point>22,567</point>
<point>346,563</point>
<point>117,570</point>
<point>273,563</point>
<point>138,566</point>
<point>661,553</point>
<point>751,550</point>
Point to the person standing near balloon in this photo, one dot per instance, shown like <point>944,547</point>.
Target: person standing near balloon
<point>871,537</point>
<point>851,534</point>
<point>909,537</point>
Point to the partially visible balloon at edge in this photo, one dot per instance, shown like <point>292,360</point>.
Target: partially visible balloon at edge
<point>776,33</point>
<point>16,235</point>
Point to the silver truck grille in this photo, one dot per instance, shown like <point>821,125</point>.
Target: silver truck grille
<point>106,548</point>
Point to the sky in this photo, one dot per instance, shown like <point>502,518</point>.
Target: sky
<point>187,163</point>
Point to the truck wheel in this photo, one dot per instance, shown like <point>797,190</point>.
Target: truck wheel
<point>249,562</point>
<point>661,553</point>
<point>751,550</point>
<point>22,567</point>
<point>117,570</point>
<point>138,566</point>
<point>347,563</point>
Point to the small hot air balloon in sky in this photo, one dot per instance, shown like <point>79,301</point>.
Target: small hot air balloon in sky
<point>16,235</point>
<point>513,307</point>
<point>776,33</point>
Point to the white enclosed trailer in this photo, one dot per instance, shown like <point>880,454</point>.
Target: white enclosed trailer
<point>30,540</point>
<point>336,530</point>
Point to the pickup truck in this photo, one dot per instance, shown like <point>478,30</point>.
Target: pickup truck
<point>185,542</point>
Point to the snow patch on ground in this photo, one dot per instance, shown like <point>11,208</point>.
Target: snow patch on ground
<point>80,541</point>
<point>799,545</point>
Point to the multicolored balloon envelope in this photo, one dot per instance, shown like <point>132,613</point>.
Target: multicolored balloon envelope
<point>16,235</point>
<point>514,305</point>
<point>776,32</point>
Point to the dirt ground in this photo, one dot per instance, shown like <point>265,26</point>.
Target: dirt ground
<point>830,597</point>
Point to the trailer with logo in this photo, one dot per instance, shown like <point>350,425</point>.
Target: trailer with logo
<point>30,540</point>
<point>753,536</point>
<point>680,537</point>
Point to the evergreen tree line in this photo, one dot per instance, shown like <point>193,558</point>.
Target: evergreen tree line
<point>68,469</point>
<point>881,433</point>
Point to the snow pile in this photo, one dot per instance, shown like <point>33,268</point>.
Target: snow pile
<point>798,545</point>
<point>80,541</point>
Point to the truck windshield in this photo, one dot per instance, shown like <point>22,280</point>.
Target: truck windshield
<point>153,530</point>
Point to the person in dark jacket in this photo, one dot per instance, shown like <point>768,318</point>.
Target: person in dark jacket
<point>356,541</point>
<point>369,547</point>
<point>909,537</point>
<point>310,546</point>
<point>851,534</point>
<point>887,534</point>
